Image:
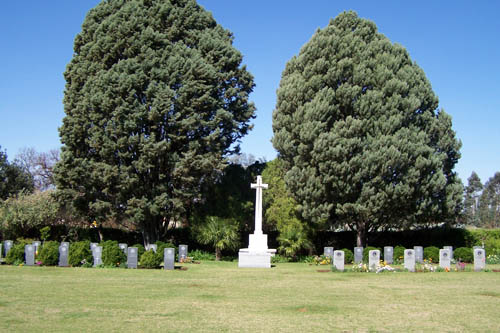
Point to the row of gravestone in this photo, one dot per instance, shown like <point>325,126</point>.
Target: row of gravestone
<point>410,257</point>
<point>131,253</point>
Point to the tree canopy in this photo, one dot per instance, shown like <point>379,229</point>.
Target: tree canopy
<point>155,97</point>
<point>358,127</point>
<point>13,178</point>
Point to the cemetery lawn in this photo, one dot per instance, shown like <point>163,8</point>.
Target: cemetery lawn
<point>219,297</point>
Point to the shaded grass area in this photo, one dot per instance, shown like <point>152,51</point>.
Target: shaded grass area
<point>219,297</point>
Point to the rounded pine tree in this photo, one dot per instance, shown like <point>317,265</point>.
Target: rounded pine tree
<point>357,125</point>
<point>155,97</point>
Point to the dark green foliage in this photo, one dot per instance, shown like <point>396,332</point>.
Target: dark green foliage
<point>16,253</point>
<point>13,178</point>
<point>149,259</point>
<point>464,254</point>
<point>472,193</point>
<point>79,253</point>
<point>140,249</point>
<point>367,250</point>
<point>348,256</point>
<point>398,254</point>
<point>155,98</point>
<point>219,233</point>
<point>161,246</point>
<point>431,253</point>
<point>358,128</point>
<point>49,253</point>
<point>489,203</point>
<point>201,255</point>
<point>112,255</point>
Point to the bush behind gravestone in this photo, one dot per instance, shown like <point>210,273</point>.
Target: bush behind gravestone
<point>49,253</point>
<point>366,252</point>
<point>348,256</point>
<point>112,255</point>
<point>398,254</point>
<point>463,254</point>
<point>80,254</point>
<point>149,259</point>
<point>162,246</point>
<point>431,253</point>
<point>16,253</point>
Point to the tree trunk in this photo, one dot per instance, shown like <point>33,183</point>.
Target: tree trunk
<point>150,233</point>
<point>101,235</point>
<point>361,234</point>
<point>218,254</point>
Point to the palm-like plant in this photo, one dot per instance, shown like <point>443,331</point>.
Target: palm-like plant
<point>292,239</point>
<point>221,233</point>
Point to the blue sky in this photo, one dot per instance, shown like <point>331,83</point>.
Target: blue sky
<point>456,43</point>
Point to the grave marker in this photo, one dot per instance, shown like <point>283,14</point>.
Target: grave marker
<point>1,246</point>
<point>153,247</point>
<point>479,260</point>
<point>7,245</point>
<point>374,259</point>
<point>63,255</point>
<point>409,260</point>
<point>338,260</point>
<point>328,252</point>
<point>358,254</point>
<point>123,247</point>
<point>183,252</point>
<point>29,254</point>
<point>97,254</point>
<point>451,250</point>
<point>419,254</point>
<point>388,254</point>
<point>444,258</point>
<point>132,257</point>
<point>168,258</point>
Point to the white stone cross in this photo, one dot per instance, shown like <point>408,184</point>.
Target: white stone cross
<point>258,204</point>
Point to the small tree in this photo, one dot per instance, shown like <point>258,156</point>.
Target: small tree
<point>13,178</point>
<point>220,233</point>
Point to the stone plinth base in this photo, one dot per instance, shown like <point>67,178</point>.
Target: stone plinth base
<point>250,259</point>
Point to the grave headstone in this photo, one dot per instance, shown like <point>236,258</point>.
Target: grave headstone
<point>97,254</point>
<point>328,252</point>
<point>373,259</point>
<point>6,246</point>
<point>338,260</point>
<point>419,254</point>
<point>63,255</point>
<point>1,246</point>
<point>358,254</point>
<point>37,245</point>
<point>183,252</point>
<point>444,258</point>
<point>93,246</point>
<point>169,258</point>
<point>132,257</point>
<point>409,258</point>
<point>123,247</point>
<point>388,254</point>
<point>29,254</point>
<point>153,247</point>
<point>451,250</point>
<point>479,259</point>
<point>65,244</point>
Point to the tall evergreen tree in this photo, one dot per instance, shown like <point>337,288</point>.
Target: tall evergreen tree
<point>489,203</point>
<point>357,125</point>
<point>155,98</point>
<point>472,193</point>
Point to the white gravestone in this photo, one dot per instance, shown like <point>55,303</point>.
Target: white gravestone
<point>358,254</point>
<point>419,254</point>
<point>153,247</point>
<point>97,254</point>
<point>445,258</point>
<point>328,252</point>
<point>169,258</point>
<point>373,259</point>
<point>93,246</point>
<point>29,254</point>
<point>451,250</point>
<point>63,255</point>
<point>6,246</point>
<point>123,247</point>
<point>257,255</point>
<point>388,254</point>
<point>338,260</point>
<point>1,246</point>
<point>36,245</point>
<point>183,252</point>
<point>409,260</point>
<point>479,259</point>
<point>132,254</point>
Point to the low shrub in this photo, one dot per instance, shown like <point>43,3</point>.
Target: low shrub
<point>49,253</point>
<point>431,253</point>
<point>366,252</point>
<point>149,259</point>
<point>203,255</point>
<point>112,255</point>
<point>463,254</point>
<point>348,256</point>
<point>80,254</point>
<point>277,258</point>
<point>161,246</point>
<point>16,253</point>
<point>398,254</point>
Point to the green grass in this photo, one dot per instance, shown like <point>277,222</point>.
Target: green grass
<point>219,297</point>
